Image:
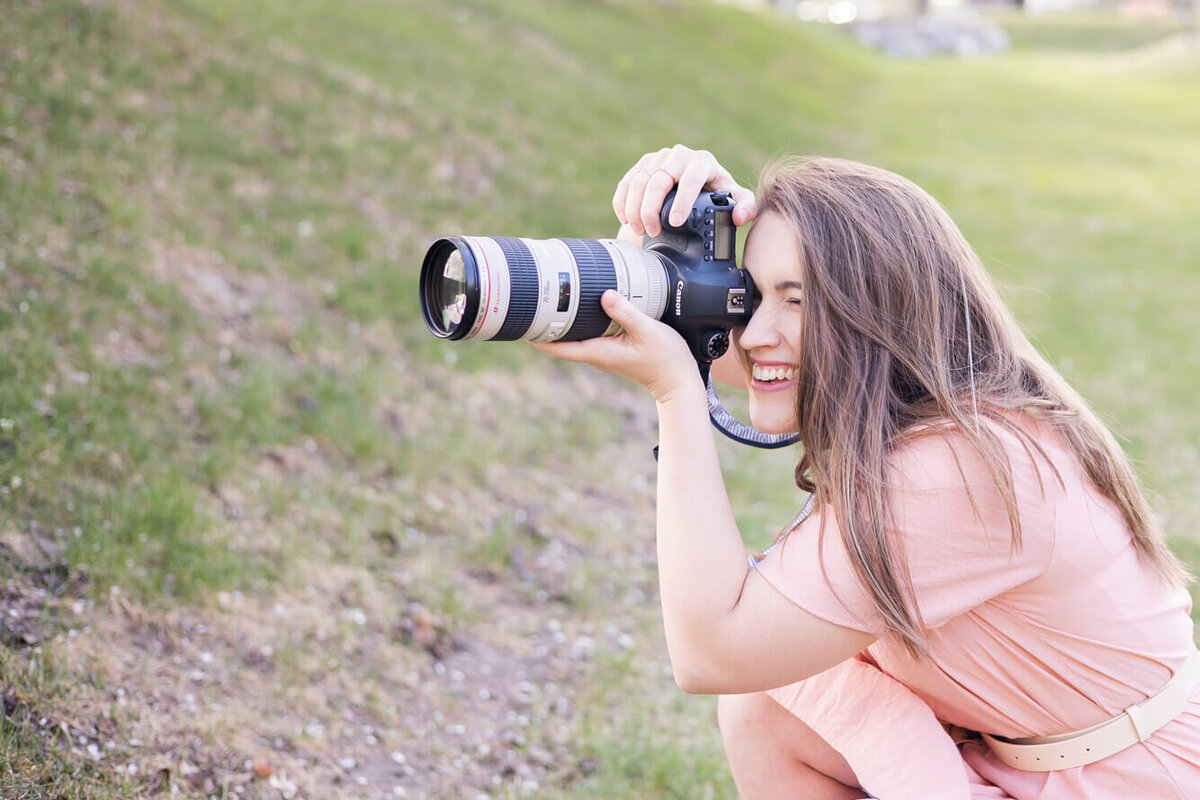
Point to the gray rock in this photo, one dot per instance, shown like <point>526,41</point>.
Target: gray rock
<point>924,37</point>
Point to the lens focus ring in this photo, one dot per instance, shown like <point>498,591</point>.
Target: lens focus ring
<point>596,274</point>
<point>523,294</point>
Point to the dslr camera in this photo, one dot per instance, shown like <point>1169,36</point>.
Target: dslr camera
<point>544,290</point>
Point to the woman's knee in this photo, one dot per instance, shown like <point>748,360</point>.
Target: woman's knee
<point>755,728</point>
<point>772,754</point>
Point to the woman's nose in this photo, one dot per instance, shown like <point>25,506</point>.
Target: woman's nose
<point>758,332</point>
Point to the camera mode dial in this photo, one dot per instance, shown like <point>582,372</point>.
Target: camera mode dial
<point>716,343</point>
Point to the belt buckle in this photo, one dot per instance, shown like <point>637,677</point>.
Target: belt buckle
<point>1134,713</point>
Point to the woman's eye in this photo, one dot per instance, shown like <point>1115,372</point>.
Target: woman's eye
<point>794,301</point>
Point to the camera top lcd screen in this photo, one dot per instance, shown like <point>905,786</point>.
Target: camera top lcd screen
<point>723,242</point>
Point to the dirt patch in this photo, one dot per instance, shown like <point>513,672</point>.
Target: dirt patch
<point>342,689</point>
<point>40,586</point>
<point>218,291</point>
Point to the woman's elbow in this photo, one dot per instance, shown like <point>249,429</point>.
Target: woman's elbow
<point>696,677</point>
<point>693,683</point>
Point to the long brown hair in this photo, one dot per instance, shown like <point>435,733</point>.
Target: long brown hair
<point>902,326</point>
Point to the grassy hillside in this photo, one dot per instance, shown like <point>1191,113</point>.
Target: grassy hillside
<point>262,536</point>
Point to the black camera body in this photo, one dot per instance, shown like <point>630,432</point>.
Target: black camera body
<point>710,295</point>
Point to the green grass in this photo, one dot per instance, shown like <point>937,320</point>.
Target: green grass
<point>213,372</point>
<point>1085,31</point>
<point>35,733</point>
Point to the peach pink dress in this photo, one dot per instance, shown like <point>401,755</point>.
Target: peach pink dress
<point>1060,634</point>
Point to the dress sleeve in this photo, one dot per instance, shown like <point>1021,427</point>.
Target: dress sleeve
<point>949,518</point>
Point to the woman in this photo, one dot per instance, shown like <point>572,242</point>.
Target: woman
<point>980,567</point>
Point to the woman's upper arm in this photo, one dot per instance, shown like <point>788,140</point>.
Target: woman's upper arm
<point>764,642</point>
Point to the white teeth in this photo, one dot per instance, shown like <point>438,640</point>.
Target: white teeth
<point>773,373</point>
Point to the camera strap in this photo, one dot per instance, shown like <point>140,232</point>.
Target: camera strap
<point>734,428</point>
<point>801,515</point>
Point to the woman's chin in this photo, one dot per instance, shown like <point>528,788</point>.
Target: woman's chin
<point>772,424</point>
<point>773,412</point>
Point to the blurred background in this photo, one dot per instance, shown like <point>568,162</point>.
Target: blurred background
<point>262,536</point>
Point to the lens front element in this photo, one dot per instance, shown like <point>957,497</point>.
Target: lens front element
<point>452,292</point>
<point>450,288</point>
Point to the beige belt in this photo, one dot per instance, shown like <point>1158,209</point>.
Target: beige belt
<point>1135,724</point>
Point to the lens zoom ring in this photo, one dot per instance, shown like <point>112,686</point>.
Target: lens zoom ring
<point>596,274</point>
<point>523,288</point>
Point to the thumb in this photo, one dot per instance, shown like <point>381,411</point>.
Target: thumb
<point>746,207</point>
<point>621,310</point>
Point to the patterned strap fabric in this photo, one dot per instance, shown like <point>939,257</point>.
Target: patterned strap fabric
<point>801,515</point>
<point>737,430</point>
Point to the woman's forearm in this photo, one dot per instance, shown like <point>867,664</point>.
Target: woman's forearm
<point>701,558</point>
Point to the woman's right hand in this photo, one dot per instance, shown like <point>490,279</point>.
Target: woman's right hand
<point>639,197</point>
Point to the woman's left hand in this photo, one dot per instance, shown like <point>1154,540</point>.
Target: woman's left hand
<point>648,351</point>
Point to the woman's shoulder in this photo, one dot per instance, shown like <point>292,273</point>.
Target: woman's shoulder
<point>941,453</point>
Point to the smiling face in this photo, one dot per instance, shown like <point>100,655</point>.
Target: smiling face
<point>771,339</point>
